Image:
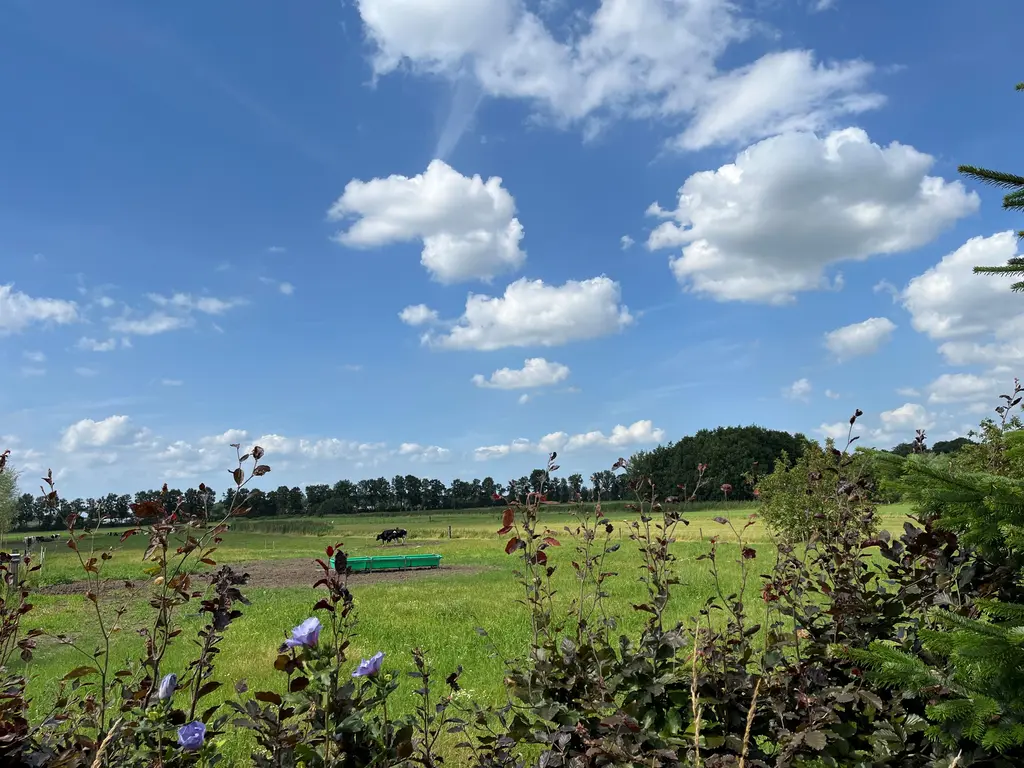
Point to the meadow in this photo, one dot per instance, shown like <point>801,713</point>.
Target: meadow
<point>437,610</point>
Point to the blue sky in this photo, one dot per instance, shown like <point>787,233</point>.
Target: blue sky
<point>265,221</point>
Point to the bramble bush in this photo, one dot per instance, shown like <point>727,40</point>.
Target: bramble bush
<point>865,648</point>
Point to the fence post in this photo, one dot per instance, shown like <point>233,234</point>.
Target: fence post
<point>449,531</point>
<point>15,564</point>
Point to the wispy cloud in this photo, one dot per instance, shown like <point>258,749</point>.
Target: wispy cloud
<point>466,97</point>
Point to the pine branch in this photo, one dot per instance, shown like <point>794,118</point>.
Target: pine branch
<point>1014,201</point>
<point>995,178</point>
<point>1006,269</point>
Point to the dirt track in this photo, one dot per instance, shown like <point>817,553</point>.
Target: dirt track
<point>298,572</point>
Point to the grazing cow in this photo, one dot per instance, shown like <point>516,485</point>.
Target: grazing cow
<point>392,534</point>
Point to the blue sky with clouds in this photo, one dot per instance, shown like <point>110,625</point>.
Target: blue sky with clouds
<point>445,236</point>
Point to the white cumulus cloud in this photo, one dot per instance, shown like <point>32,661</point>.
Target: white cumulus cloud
<point>467,225</point>
<point>638,433</point>
<point>418,314</point>
<point>532,313</point>
<point>977,318</point>
<point>424,453</point>
<point>839,431</point>
<point>637,59</point>
<point>960,387</point>
<point>863,338</point>
<point>19,310</point>
<point>909,416</point>
<point>536,372</point>
<point>87,433</point>
<point>766,226</point>
<point>798,390</point>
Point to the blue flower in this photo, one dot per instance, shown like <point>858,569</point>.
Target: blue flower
<point>371,666</point>
<point>190,737</point>
<point>167,687</point>
<point>307,634</point>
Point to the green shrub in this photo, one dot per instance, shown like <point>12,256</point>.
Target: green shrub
<point>808,498</point>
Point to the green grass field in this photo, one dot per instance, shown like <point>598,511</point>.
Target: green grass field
<point>436,610</point>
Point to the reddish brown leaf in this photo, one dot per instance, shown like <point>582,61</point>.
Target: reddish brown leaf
<point>209,687</point>
<point>508,517</point>
<point>513,544</point>
<point>504,530</point>
<point>552,542</point>
<point>261,470</point>
<point>268,696</point>
<point>207,561</point>
<point>238,475</point>
<point>80,672</point>
<point>147,509</point>
<point>257,452</point>
<point>541,558</point>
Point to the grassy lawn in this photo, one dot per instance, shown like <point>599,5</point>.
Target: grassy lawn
<point>436,610</point>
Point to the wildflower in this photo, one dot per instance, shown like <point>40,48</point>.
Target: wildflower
<point>190,737</point>
<point>369,667</point>
<point>167,686</point>
<point>306,634</point>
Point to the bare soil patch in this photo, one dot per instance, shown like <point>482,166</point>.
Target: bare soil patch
<point>296,572</point>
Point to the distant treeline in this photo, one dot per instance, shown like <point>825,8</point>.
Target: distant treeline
<point>734,457</point>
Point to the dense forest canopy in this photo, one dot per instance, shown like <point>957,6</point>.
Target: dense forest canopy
<point>731,454</point>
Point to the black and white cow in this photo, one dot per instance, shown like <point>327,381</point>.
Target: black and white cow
<point>392,534</point>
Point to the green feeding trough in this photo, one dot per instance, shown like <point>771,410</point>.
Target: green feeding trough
<point>392,562</point>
